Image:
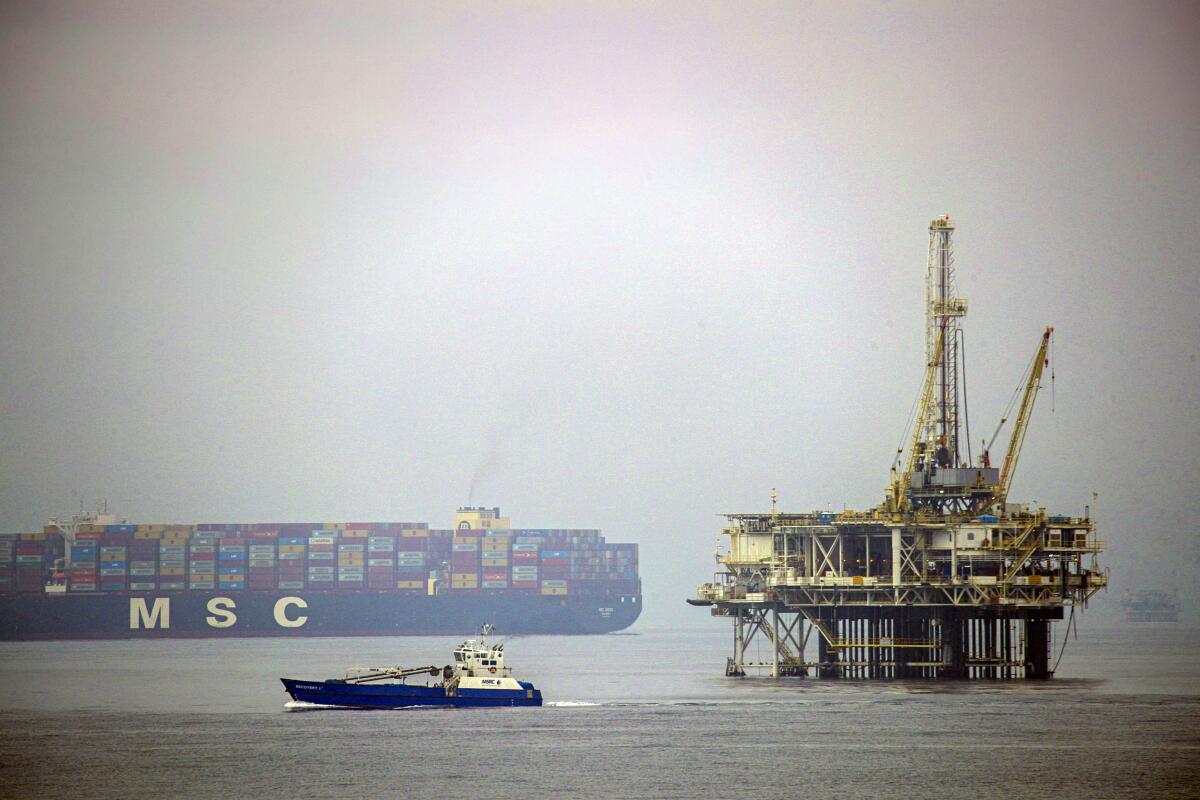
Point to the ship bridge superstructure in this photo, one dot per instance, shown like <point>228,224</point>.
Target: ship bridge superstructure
<point>944,579</point>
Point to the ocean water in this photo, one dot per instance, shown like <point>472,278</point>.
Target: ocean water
<point>644,714</point>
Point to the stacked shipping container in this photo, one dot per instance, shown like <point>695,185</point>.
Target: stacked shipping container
<point>375,557</point>
<point>261,555</point>
<point>493,554</point>
<point>26,559</point>
<point>381,560</point>
<point>83,576</point>
<point>416,559</point>
<point>172,563</point>
<point>464,560</point>
<point>202,560</point>
<point>8,552</point>
<point>352,558</point>
<point>291,561</point>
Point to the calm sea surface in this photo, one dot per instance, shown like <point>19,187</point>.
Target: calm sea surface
<point>639,715</point>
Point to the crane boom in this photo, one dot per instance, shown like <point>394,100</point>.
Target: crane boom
<point>391,673</point>
<point>901,488</point>
<point>1022,423</point>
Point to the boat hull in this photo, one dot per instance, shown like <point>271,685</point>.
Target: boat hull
<point>304,613</point>
<point>383,696</point>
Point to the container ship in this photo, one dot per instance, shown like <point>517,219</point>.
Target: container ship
<point>96,578</point>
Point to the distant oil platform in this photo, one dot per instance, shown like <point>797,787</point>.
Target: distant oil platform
<point>1151,605</point>
<point>946,578</point>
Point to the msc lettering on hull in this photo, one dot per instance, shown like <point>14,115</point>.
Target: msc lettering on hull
<point>158,616</point>
<point>221,613</point>
<point>281,618</point>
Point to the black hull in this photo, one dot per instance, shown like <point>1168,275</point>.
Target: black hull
<point>300,613</point>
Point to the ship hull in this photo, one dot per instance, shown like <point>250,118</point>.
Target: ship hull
<point>349,695</point>
<point>299,613</point>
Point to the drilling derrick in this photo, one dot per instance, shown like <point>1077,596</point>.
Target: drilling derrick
<point>939,478</point>
<point>943,312</point>
<point>945,578</point>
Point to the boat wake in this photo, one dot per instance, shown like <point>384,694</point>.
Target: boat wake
<point>300,705</point>
<point>704,703</point>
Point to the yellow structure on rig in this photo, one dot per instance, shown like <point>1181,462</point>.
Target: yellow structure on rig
<point>945,578</point>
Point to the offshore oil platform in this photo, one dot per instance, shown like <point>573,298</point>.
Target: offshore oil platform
<point>944,579</point>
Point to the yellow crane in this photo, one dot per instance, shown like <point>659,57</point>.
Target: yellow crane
<point>1022,424</point>
<point>900,485</point>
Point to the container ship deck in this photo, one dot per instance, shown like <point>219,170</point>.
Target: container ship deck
<point>96,578</point>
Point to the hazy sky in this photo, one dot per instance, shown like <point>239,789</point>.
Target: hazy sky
<point>614,265</point>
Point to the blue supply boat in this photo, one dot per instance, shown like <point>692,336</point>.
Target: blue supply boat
<point>477,678</point>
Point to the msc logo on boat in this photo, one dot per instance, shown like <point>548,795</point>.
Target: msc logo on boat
<point>222,613</point>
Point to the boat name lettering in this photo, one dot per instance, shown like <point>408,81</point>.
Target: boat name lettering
<point>155,613</point>
<point>157,616</point>
<point>222,610</point>
<point>281,617</point>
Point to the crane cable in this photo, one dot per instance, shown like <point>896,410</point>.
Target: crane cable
<point>962,360</point>
<point>1013,400</point>
<point>912,414</point>
<point>1051,373</point>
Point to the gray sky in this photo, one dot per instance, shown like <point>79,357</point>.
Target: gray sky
<point>617,267</point>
